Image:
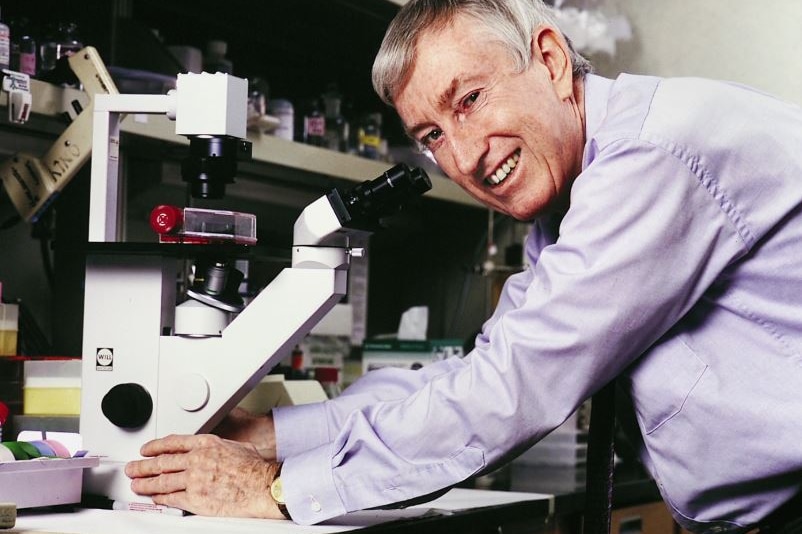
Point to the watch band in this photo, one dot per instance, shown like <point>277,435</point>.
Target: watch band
<point>277,493</point>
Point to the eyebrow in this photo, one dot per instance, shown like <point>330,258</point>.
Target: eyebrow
<point>444,100</point>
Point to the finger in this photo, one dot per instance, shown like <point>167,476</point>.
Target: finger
<point>160,485</point>
<point>166,463</point>
<point>176,443</point>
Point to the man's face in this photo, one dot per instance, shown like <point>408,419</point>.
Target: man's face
<point>512,140</point>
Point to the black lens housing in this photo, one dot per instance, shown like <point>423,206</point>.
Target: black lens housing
<point>212,163</point>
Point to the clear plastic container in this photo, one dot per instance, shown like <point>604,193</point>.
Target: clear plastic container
<point>202,226</point>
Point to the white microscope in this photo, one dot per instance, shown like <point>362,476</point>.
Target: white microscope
<point>154,366</point>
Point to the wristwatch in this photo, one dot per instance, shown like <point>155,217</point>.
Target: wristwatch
<point>277,492</point>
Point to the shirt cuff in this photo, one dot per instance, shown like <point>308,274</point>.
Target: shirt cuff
<point>309,490</point>
<point>299,428</point>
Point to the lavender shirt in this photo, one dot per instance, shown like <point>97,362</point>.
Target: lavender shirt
<point>678,267</point>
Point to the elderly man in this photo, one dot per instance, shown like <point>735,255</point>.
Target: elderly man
<point>666,251</point>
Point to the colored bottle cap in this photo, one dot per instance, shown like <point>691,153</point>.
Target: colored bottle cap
<point>166,219</point>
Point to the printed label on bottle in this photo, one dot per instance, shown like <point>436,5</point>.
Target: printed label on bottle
<point>315,126</point>
<point>27,64</point>
<point>5,48</point>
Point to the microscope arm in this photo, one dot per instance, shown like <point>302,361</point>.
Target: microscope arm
<point>207,377</point>
<point>33,183</point>
<point>204,378</point>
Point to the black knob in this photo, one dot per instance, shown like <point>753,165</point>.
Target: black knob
<point>127,405</point>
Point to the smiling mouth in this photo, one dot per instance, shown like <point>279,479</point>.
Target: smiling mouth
<point>504,170</point>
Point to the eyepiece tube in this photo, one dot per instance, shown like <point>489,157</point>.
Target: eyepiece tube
<point>386,194</point>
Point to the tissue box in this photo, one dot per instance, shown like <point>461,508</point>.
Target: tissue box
<point>43,482</point>
<point>407,354</point>
<point>52,387</point>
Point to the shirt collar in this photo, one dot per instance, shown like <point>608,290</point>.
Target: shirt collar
<point>597,91</point>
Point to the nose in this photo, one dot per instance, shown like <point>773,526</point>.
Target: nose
<point>468,147</point>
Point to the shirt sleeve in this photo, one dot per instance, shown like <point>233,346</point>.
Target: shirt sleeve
<point>322,421</point>
<point>641,242</point>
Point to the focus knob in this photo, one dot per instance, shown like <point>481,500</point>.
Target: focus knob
<point>127,405</point>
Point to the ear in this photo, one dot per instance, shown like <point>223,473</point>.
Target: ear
<point>550,49</point>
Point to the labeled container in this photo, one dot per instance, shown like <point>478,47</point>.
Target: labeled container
<point>283,110</point>
<point>52,387</point>
<point>9,325</point>
<point>5,45</point>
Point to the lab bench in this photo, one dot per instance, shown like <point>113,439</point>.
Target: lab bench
<point>460,510</point>
<point>533,503</point>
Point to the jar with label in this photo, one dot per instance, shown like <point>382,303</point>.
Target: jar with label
<point>9,324</point>
<point>314,125</point>
<point>5,45</point>
<point>23,47</point>
<point>283,110</point>
<point>369,138</point>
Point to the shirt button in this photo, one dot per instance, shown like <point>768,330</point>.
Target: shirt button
<point>314,505</point>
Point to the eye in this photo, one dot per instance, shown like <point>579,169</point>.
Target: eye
<point>469,100</point>
<point>431,137</point>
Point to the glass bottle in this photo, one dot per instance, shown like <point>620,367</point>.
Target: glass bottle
<point>23,47</point>
<point>5,45</point>
<point>336,125</point>
<point>283,110</point>
<point>370,136</point>
<point>61,40</point>
<point>314,126</point>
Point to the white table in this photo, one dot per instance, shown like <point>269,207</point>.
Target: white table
<point>452,504</point>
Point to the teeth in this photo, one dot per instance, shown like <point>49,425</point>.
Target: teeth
<point>503,171</point>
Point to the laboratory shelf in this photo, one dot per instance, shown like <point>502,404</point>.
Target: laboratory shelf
<point>272,154</point>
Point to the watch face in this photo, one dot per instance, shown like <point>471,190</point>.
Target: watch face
<point>276,491</point>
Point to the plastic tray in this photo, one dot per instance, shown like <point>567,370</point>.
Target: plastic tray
<point>43,481</point>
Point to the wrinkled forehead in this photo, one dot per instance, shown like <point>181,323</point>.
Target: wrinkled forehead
<point>437,36</point>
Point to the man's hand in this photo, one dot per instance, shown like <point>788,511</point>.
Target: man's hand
<point>258,430</point>
<point>205,475</point>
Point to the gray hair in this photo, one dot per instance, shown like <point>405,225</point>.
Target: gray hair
<point>512,22</point>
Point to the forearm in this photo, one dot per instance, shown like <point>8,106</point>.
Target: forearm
<point>305,427</point>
